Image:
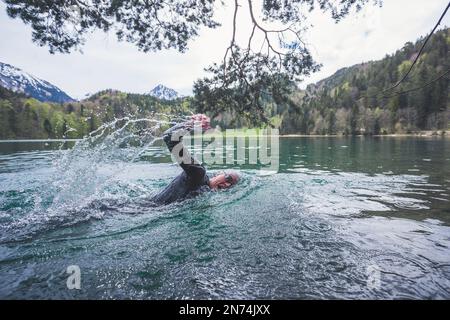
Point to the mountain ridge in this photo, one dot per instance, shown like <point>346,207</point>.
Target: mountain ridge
<point>331,106</point>
<point>359,100</point>
<point>164,93</point>
<point>17,80</point>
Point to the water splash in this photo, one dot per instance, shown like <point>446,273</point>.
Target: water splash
<point>86,172</point>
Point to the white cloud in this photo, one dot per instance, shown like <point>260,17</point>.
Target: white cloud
<point>106,63</point>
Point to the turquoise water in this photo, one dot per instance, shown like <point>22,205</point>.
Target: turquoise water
<point>343,218</point>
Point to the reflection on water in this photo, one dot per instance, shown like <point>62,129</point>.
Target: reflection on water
<point>340,211</point>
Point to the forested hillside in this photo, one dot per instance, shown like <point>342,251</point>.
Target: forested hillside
<point>22,117</point>
<point>352,101</point>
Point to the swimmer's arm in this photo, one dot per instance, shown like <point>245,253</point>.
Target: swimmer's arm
<point>172,137</point>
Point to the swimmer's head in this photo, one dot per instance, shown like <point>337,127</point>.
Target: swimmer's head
<point>224,180</point>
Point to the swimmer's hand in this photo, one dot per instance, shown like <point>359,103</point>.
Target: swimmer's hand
<point>200,120</point>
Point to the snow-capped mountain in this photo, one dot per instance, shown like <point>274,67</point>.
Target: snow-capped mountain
<point>162,92</point>
<point>15,79</point>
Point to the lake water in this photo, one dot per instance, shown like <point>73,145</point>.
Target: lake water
<point>343,218</point>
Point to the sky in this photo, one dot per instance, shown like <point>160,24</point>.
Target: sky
<point>106,63</point>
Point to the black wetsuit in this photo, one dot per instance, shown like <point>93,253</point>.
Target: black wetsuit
<point>192,181</point>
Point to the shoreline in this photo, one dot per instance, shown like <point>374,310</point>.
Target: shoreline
<point>38,140</point>
<point>423,134</point>
<point>363,136</point>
